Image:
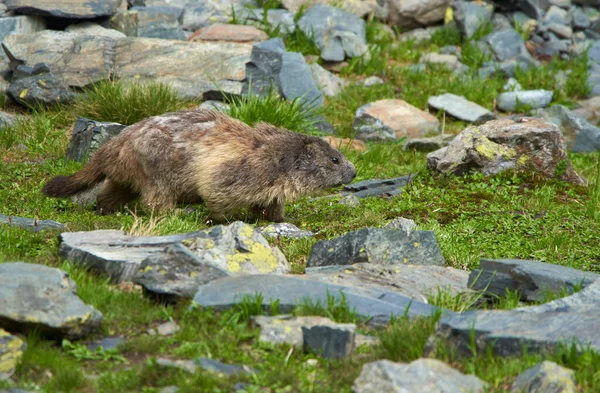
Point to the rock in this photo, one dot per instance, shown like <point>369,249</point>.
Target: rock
<point>13,25</point>
<point>175,273</point>
<point>43,298</point>
<point>359,8</point>
<point>283,229</point>
<point>37,85</point>
<point>331,341</point>
<point>186,365</point>
<point>379,246</point>
<point>221,368</point>
<point>513,100</point>
<point>106,343</point>
<point>512,85</point>
<point>346,143</point>
<point>533,280</point>
<point>7,120</point>
<point>580,136</point>
<point>460,108</point>
<point>451,61</point>
<point>152,22</point>
<point>438,377</point>
<point>545,377</point>
<point>229,33</point>
<point>498,145</point>
<point>91,28</point>
<point>408,14</point>
<point>372,81</point>
<point>338,34</point>
<point>11,353</point>
<point>274,18</point>
<point>32,224</point>
<point>88,135</point>
<point>417,35</point>
<point>589,110</point>
<point>470,16</point>
<point>561,31</point>
<point>169,389</point>
<point>537,329</point>
<point>71,9</point>
<point>271,67</point>
<point>400,223</point>
<point>392,119</point>
<point>428,144</point>
<point>580,20</point>
<point>215,105</point>
<point>374,303</point>
<point>506,44</point>
<point>556,15</point>
<point>377,187</point>
<point>165,329</point>
<point>329,83</point>
<point>350,200</point>
<point>235,248</point>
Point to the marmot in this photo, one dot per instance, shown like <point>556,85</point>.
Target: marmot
<point>206,156</point>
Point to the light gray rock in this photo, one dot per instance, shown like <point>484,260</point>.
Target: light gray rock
<point>372,81</point>
<point>545,377</point>
<point>30,223</point>
<point>461,108</point>
<point>217,367</point>
<point>37,296</point>
<point>106,343</point>
<point>12,25</point>
<point>329,83</point>
<point>513,100</point>
<point>71,9</point>
<point>91,28</point>
<point>580,20</point>
<point>7,119</point>
<point>556,15</point>
<point>436,376</point>
<point>408,14</point>
<point>37,85</point>
<point>580,136</point>
<point>451,61</point>
<point>470,17</point>
<point>331,341</point>
<point>284,229</point>
<point>512,85</point>
<point>404,224</point>
<point>151,22</point>
<point>350,200</point>
<point>337,33</point>
<point>165,329</point>
<point>88,135</point>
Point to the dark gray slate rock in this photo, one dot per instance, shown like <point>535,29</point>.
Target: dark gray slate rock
<point>175,273</point>
<point>580,136</point>
<point>460,108</point>
<point>545,377</point>
<point>378,187</point>
<point>290,290</point>
<point>43,298</point>
<point>513,100</point>
<point>88,135</point>
<point>580,20</point>
<point>532,279</point>
<point>506,44</point>
<point>337,33</point>
<point>285,230</point>
<point>470,16</point>
<point>420,376</point>
<point>151,22</point>
<point>221,368</point>
<point>535,329</point>
<point>379,246</point>
<point>428,144</point>
<point>30,223</point>
<point>72,9</point>
<point>330,341</point>
<point>35,85</point>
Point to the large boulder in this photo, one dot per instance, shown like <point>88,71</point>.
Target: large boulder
<point>37,85</point>
<point>153,22</point>
<point>409,14</point>
<point>498,145</point>
<point>72,9</point>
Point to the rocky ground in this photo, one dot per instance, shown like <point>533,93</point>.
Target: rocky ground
<point>465,256</point>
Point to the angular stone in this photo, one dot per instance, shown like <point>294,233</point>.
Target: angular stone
<point>284,229</point>
<point>470,16</point>
<point>378,187</point>
<point>545,377</point>
<point>165,329</point>
<point>556,15</point>
<point>229,33</point>
<point>338,34</point>
<point>431,374</point>
<point>91,28</point>
<point>331,341</point>
<point>513,100</point>
<point>275,18</point>
<point>329,83</point>
<point>498,145</point>
<point>11,353</point>
<point>379,246</point>
<point>72,9</point>
<point>580,20</point>
<point>408,14</point>
<point>428,144</point>
<point>15,25</point>
<point>235,248</point>
<point>506,44</point>
<point>392,119</point>
<point>451,61</point>
<point>350,200</point>
<point>151,22</point>
<point>460,108</point>
<point>580,136</point>
<point>588,110</point>
<point>400,223</point>
<point>533,280</point>
<point>30,223</point>
<point>221,368</point>
<point>512,85</point>
<point>561,31</point>
<point>37,85</point>
<point>88,135</point>
<point>44,298</point>
<point>372,81</point>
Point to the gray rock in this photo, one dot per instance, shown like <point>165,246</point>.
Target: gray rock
<point>106,343</point>
<point>379,246</point>
<point>330,341</point>
<point>545,377</point>
<point>556,15</point>
<point>470,17</point>
<point>400,223</point>
<point>501,22</point>
<point>377,187</point>
<point>88,135</point>
<point>215,105</point>
<point>151,22</point>
<point>175,273</point>
<point>580,20</point>
<point>561,31</point>
<point>284,229</point>
<point>580,136</point>
<point>372,81</point>
<point>13,25</point>
<point>337,33</point>
<point>329,83</point>
<point>513,100</point>
<point>165,329</point>
<point>537,329</point>
<point>297,81</point>
<point>169,389</point>
<point>532,279</point>
<point>512,85</point>
<point>350,200</point>
<point>436,376</point>
<point>594,52</point>
<point>498,145</point>
<point>409,14</point>
<point>31,223</point>
<point>71,9</point>
<point>221,368</point>
<point>43,298</point>
<point>376,304</point>
<point>37,85</point>
<point>451,61</point>
<point>91,28</point>
<point>428,144</point>
<point>460,108</point>
<point>417,35</point>
<point>235,248</point>
<point>275,18</point>
<point>506,44</point>
<point>186,365</point>
<point>11,353</point>
<point>7,119</point>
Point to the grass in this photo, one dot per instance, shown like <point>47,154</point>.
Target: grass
<point>510,215</point>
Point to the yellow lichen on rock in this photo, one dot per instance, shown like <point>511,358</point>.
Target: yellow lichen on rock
<point>259,256</point>
<point>11,351</point>
<point>491,150</point>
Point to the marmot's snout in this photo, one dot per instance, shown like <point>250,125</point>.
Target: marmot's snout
<point>349,173</point>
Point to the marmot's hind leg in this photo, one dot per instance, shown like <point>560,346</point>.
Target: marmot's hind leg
<point>113,197</point>
<point>274,211</point>
<point>158,199</point>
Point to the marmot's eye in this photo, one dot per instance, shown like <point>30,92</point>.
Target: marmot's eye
<point>335,160</point>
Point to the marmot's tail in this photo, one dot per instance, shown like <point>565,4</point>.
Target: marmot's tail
<point>88,177</point>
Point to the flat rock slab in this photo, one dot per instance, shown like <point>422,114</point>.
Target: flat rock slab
<point>422,375</point>
<point>30,223</point>
<point>375,304</point>
<point>378,187</point>
<point>533,99</point>
<point>11,352</point>
<point>378,246</point>
<point>236,249</point>
<point>73,9</point>
<point>460,108</point>
<point>545,377</point>
<point>88,135</point>
<point>532,279</point>
<point>285,230</point>
<point>229,33</point>
<point>37,296</point>
<point>152,22</point>
<point>537,329</point>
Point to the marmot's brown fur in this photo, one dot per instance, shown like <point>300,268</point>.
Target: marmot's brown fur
<point>205,156</point>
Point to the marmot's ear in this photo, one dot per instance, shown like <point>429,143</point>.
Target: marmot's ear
<point>311,148</point>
